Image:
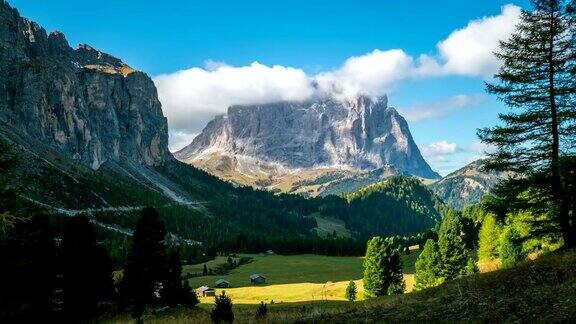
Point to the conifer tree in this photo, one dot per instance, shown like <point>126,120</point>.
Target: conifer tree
<point>27,273</point>
<point>510,248</point>
<point>351,291</point>
<point>222,311</point>
<point>428,267</point>
<point>537,81</point>
<point>146,266</point>
<point>173,289</point>
<point>382,268</point>
<point>87,270</point>
<point>452,247</point>
<point>175,292</point>
<point>489,238</point>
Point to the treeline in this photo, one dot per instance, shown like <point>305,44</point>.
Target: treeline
<point>245,219</point>
<point>242,219</point>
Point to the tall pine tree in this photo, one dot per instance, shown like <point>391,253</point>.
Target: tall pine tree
<point>538,82</point>
<point>27,273</point>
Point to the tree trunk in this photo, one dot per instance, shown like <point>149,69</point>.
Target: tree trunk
<point>556,182</point>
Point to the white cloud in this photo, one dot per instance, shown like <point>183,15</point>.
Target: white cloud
<point>178,140</point>
<point>480,150</point>
<point>443,156</point>
<point>371,74</point>
<point>192,97</point>
<point>437,109</point>
<point>199,93</point>
<point>440,149</point>
<point>470,50</point>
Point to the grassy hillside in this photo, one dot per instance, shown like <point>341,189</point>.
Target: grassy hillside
<point>541,291</point>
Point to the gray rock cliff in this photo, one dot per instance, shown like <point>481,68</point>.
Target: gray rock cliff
<point>85,103</point>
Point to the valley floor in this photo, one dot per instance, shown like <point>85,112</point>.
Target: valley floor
<point>295,278</point>
<point>542,290</point>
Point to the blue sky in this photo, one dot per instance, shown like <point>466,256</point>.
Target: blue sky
<point>309,38</point>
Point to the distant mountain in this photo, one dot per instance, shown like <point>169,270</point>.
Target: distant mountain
<point>284,145</point>
<point>466,186</point>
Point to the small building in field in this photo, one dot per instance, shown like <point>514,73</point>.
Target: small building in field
<point>257,278</point>
<point>221,283</point>
<point>206,291</point>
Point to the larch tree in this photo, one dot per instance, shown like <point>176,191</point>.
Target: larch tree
<point>537,81</point>
<point>489,238</point>
<point>429,267</point>
<point>510,247</point>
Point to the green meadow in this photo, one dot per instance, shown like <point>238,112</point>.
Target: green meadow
<point>294,278</point>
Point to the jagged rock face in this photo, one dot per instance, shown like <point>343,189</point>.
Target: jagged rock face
<point>361,134</point>
<point>85,103</point>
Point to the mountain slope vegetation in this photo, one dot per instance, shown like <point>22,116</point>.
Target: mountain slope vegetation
<point>397,206</point>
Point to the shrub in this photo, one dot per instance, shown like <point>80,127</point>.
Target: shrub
<point>396,288</point>
<point>351,291</point>
<point>262,310</point>
<point>222,311</point>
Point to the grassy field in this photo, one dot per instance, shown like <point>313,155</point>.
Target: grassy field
<point>327,226</point>
<point>294,278</point>
<point>539,291</point>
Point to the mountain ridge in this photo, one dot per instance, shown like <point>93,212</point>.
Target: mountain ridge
<point>467,185</point>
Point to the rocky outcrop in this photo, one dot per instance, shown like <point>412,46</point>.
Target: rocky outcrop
<point>85,103</point>
<point>359,134</point>
<point>467,186</point>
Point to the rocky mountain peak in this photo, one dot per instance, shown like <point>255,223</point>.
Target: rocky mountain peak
<point>360,133</point>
